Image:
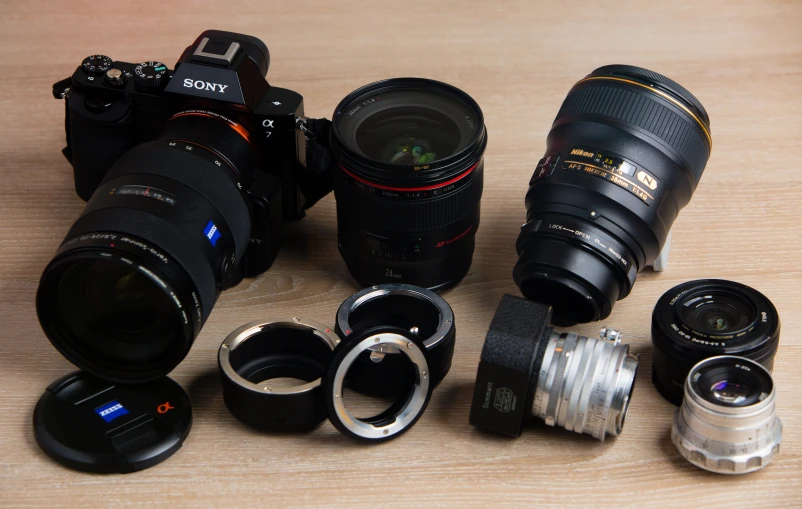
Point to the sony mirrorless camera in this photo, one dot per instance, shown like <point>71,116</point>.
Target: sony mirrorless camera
<point>188,174</point>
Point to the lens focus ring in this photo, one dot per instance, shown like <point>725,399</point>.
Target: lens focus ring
<point>645,110</point>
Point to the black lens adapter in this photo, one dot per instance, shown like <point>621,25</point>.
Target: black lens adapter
<point>407,408</point>
<point>380,370</point>
<point>707,318</point>
<point>259,352</point>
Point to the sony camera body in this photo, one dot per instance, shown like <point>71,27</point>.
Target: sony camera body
<point>113,106</point>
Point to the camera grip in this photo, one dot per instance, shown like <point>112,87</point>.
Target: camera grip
<point>95,139</point>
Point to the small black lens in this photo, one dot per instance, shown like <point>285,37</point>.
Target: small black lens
<point>727,382</point>
<point>707,318</point>
<point>624,155</point>
<point>409,182</point>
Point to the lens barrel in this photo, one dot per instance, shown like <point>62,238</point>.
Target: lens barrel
<point>707,318</point>
<point>140,270</point>
<point>527,370</point>
<point>624,155</point>
<point>408,181</point>
<point>727,422</point>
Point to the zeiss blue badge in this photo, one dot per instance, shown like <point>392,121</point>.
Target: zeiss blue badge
<point>111,411</point>
<point>211,232</point>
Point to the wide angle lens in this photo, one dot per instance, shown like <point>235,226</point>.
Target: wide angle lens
<point>624,156</point>
<point>140,270</point>
<point>408,181</point>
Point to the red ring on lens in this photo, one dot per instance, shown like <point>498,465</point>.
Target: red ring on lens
<point>427,188</point>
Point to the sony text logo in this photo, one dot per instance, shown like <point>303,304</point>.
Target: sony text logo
<point>205,85</point>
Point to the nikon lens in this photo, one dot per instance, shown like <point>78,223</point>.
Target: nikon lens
<point>623,157</point>
<point>408,181</point>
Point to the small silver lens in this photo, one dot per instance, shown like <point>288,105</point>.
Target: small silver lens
<point>584,384</point>
<point>727,422</point>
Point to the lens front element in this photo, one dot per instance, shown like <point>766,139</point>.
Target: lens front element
<point>116,309</point>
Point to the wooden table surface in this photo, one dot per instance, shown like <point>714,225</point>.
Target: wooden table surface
<point>742,59</point>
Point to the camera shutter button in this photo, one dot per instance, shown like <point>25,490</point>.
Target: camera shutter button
<point>114,77</point>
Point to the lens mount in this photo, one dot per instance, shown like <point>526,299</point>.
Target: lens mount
<point>705,318</point>
<point>407,408</point>
<point>380,371</point>
<point>254,355</point>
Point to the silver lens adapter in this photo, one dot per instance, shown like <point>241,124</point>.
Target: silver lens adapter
<point>256,354</point>
<point>727,422</point>
<point>407,407</point>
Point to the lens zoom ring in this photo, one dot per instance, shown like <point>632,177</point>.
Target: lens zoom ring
<point>202,176</point>
<point>402,215</point>
<point>643,110</point>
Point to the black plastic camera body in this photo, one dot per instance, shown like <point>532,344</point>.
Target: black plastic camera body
<point>114,106</point>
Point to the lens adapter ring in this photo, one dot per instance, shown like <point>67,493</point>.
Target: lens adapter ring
<point>417,310</point>
<point>404,412</point>
<point>254,354</point>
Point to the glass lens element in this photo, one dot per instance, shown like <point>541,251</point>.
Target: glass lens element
<point>408,135</point>
<point>729,392</point>
<point>717,312</point>
<point>116,310</point>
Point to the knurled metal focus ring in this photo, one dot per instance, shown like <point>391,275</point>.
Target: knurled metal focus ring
<point>385,305</point>
<point>258,352</point>
<point>407,407</point>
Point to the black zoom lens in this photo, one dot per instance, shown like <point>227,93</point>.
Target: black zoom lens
<point>708,318</point>
<point>140,270</point>
<point>624,155</point>
<point>409,182</point>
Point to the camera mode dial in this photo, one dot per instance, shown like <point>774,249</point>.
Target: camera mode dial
<point>97,64</point>
<point>150,74</point>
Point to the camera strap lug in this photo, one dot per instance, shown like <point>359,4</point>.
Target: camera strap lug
<point>61,89</point>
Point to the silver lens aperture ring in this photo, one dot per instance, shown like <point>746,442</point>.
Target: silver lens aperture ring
<point>253,355</point>
<point>405,410</point>
<point>419,311</point>
<point>727,422</point>
<point>584,384</point>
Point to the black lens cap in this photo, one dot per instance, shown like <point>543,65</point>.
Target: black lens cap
<point>93,425</point>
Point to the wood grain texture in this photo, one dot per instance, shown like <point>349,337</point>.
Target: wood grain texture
<point>742,59</point>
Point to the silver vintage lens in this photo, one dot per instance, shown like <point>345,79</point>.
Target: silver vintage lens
<point>727,422</point>
<point>584,384</point>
